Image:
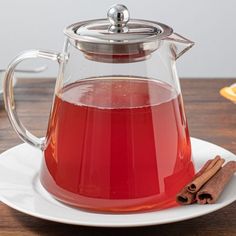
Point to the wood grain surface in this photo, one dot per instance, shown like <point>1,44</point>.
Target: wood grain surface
<point>210,117</point>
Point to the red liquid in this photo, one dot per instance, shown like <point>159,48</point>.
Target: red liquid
<point>118,144</point>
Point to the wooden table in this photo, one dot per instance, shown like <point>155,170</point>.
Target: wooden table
<point>210,117</point>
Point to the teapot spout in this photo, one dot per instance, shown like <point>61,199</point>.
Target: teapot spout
<point>179,45</point>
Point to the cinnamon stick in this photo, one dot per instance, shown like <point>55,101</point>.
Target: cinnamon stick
<point>211,191</point>
<point>184,197</point>
<point>210,171</point>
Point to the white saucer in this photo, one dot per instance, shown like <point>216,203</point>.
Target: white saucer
<point>20,189</point>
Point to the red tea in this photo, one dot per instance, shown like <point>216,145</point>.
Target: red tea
<point>117,144</point>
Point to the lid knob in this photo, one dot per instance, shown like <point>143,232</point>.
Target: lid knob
<point>118,16</point>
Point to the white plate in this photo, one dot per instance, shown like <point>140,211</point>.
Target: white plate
<point>20,189</point>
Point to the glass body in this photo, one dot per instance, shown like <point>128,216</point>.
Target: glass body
<point>117,138</point>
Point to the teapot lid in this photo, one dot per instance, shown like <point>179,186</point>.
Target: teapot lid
<point>117,39</point>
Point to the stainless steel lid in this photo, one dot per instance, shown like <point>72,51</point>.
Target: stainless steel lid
<point>117,39</point>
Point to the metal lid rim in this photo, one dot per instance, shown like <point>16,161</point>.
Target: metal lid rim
<point>69,32</point>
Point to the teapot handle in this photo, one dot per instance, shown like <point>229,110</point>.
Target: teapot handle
<point>20,129</point>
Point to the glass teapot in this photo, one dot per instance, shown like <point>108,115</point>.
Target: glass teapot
<point>117,137</point>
